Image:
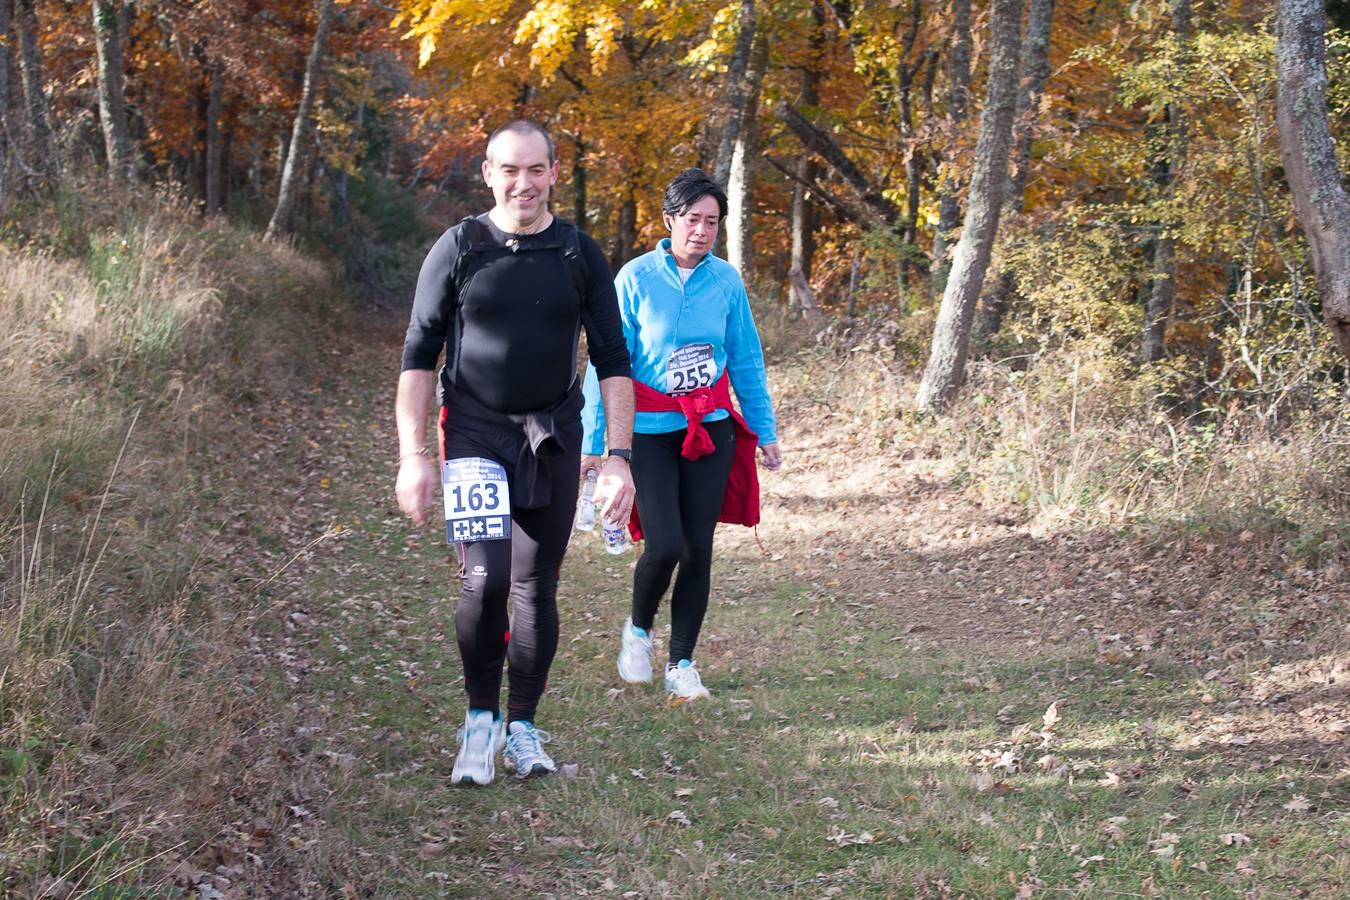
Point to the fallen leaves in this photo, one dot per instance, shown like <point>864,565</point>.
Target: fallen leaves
<point>841,838</point>
<point>1299,804</point>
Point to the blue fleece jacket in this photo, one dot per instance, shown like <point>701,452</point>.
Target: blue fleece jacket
<point>661,314</point>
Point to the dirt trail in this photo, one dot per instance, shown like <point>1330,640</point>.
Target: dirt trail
<point>891,532</point>
<point>894,531</point>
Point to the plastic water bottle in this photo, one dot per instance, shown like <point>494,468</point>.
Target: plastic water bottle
<point>585,520</point>
<point>616,537</point>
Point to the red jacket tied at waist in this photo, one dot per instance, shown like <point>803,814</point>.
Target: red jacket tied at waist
<point>740,503</point>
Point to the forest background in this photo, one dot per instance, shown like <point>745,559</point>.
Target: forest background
<point>1055,245</point>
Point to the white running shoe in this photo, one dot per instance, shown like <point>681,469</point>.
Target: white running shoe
<point>683,682</point>
<point>525,751</point>
<point>481,739</point>
<point>635,656</point>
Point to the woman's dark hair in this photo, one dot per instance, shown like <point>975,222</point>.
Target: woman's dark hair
<point>687,188</point>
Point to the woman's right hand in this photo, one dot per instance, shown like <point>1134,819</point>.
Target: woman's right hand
<point>590,461</point>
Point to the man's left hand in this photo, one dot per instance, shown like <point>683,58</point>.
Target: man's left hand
<point>614,490</point>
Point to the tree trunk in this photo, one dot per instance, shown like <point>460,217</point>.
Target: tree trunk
<point>216,74</point>
<point>871,206</point>
<point>736,89</point>
<point>625,235</point>
<point>1320,199</point>
<point>341,178</point>
<point>741,182</point>
<point>958,105</point>
<point>5,117</point>
<point>1035,69</point>
<point>905,75</point>
<point>951,334</point>
<point>579,184</point>
<point>226,161</point>
<point>111,75</point>
<point>40,145</point>
<point>292,171</point>
<point>803,224</point>
<point>1162,290</point>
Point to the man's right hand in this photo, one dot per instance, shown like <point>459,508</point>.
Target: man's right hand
<point>416,487</point>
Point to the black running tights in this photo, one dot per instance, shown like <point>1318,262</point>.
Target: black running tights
<point>525,569</point>
<point>678,501</point>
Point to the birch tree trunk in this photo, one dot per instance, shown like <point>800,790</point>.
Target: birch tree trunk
<point>111,77</point>
<point>1035,69</point>
<point>737,87</point>
<point>291,173</point>
<point>1162,288</point>
<point>741,181</point>
<point>40,145</point>
<point>803,225</point>
<point>951,334</point>
<point>1320,199</point>
<point>214,197</point>
<point>958,105</point>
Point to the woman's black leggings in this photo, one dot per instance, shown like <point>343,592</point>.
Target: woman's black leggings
<point>525,570</point>
<point>678,501</point>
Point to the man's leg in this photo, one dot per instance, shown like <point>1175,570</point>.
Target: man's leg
<point>481,620</point>
<point>480,630</point>
<point>538,543</point>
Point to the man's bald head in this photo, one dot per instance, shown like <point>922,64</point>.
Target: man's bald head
<point>523,127</point>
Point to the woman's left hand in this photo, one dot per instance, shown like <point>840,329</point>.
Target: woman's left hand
<point>772,457</point>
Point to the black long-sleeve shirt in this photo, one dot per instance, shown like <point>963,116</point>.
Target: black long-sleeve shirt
<point>515,347</point>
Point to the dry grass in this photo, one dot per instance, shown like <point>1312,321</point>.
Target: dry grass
<point>126,326</point>
<point>1072,440</point>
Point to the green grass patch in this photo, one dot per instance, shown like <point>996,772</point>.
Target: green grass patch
<point>833,759</point>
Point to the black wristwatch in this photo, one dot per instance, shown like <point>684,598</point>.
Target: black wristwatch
<point>622,453</point>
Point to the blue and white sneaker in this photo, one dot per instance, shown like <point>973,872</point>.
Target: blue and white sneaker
<point>480,740</point>
<point>684,683</point>
<point>635,653</point>
<point>525,751</point>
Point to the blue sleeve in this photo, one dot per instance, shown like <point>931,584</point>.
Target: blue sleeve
<point>592,414</point>
<point>745,365</point>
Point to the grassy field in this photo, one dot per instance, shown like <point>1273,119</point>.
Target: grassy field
<point>845,752</point>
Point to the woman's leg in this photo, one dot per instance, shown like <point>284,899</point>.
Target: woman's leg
<point>703,484</point>
<point>656,475</point>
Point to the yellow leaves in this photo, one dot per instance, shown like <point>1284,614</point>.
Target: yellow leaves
<point>551,29</point>
<point>427,19</point>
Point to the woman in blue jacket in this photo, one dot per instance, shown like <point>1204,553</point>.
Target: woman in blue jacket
<point>687,321</point>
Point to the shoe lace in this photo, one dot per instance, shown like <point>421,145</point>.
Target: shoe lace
<point>527,742</point>
<point>687,679</point>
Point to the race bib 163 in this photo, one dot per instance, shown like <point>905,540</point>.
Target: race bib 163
<point>477,501</point>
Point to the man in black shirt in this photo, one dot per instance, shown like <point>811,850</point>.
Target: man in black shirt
<point>506,296</point>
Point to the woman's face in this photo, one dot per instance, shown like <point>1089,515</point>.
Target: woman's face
<point>694,231</point>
